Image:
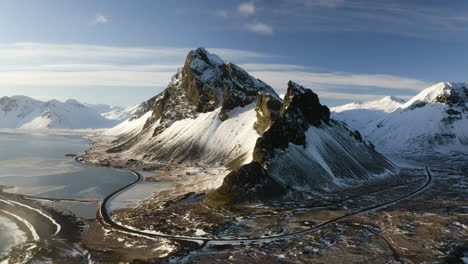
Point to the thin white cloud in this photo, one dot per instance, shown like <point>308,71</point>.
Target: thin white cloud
<point>88,78</point>
<point>222,13</point>
<point>247,8</point>
<point>271,67</point>
<point>31,52</point>
<point>354,96</point>
<point>321,3</point>
<point>260,28</point>
<point>54,65</point>
<point>323,80</point>
<point>101,19</point>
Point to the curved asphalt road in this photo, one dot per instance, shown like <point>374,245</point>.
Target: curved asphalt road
<point>104,217</point>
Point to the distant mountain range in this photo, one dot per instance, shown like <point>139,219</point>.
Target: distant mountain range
<point>435,119</point>
<point>26,113</point>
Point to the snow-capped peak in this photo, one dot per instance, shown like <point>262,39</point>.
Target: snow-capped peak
<point>386,104</point>
<point>201,57</point>
<point>448,93</point>
<point>74,102</point>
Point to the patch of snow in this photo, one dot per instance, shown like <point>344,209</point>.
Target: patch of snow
<point>11,235</point>
<point>26,223</point>
<point>200,232</point>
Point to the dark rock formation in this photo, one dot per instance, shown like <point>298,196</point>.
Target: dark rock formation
<point>248,183</point>
<point>268,110</point>
<point>205,83</point>
<point>301,108</point>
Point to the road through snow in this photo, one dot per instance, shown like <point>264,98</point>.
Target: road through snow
<point>103,215</point>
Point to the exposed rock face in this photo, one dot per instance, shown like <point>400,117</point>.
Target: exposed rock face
<point>268,110</point>
<point>205,83</point>
<point>248,183</point>
<point>301,108</point>
<point>454,98</point>
<point>302,150</point>
<point>143,108</point>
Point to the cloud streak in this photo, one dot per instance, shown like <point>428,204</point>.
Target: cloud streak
<point>324,80</point>
<point>247,8</point>
<point>55,65</point>
<point>260,28</point>
<point>101,19</point>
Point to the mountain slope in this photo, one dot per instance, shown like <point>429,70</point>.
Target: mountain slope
<point>215,113</point>
<point>359,116</point>
<point>26,113</point>
<point>435,119</point>
<point>112,112</point>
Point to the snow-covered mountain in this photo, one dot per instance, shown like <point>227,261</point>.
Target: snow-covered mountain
<point>113,112</point>
<point>27,113</point>
<point>435,119</point>
<point>361,115</point>
<point>215,113</point>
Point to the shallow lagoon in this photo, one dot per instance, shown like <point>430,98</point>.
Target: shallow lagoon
<point>35,164</point>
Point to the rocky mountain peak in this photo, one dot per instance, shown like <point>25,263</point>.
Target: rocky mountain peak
<point>448,93</point>
<point>202,85</point>
<point>301,100</point>
<point>454,95</point>
<point>301,108</point>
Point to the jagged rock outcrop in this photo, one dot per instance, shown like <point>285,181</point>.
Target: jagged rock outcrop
<point>303,150</point>
<point>250,182</point>
<point>301,108</point>
<point>268,110</point>
<point>205,83</point>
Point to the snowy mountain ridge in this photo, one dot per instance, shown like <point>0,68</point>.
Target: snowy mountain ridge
<point>21,112</point>
<point>386,104</point>
<point>434,119</point>
<point>114,112</point>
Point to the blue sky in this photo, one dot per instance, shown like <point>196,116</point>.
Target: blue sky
<point>125,51</point>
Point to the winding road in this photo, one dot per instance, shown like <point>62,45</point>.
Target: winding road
<point>104,216</point>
